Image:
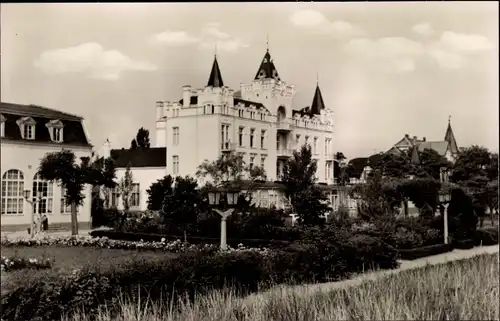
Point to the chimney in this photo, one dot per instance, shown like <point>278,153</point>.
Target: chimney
<point>423,138</point>
<point>414,137</point>
<point>159,110</point>
<point>186,96</point>
<point>106,149</point>
<point>407,136</point>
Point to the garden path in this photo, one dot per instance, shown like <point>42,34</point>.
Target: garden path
<point>405,265</point>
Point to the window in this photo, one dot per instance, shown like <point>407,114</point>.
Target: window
<point>240,113</point>
<point>12,192</point>
<point>264,198</point>
<point>277,142</point>
<point>252,160</point>
<point>225,109</point>
<point>262,116</point>
<point>204,109</point>
<point>115,197</point>
<point>175,164</point>
<point>175,140</point>
<point>262,138</point>
<point>297,141</point>
<point>315,145</point>
<point>212,108</point>
<point>224,136</point>
<point>263,161</point>
<point>307,140</point>
<point>65,208</point>
<point>57,134</point>
<point>42,195</point>
<point>328,170</point>
<point>252,133</point>
<point>328,143</point>
<point>135,196</point>
<point>240,136</point>
<point>252,115</point>
<point>28,131</point>
<point>2,125</point>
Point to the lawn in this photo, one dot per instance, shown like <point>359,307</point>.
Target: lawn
<point>68,258</point>
<point>460,290</point>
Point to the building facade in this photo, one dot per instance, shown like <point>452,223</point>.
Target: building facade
<point>27,133</point>
<point>259,121</point>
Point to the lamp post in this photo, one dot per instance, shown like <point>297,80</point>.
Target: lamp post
<point>27,194</point>
<point>214,198</point>
<point>444,199</point>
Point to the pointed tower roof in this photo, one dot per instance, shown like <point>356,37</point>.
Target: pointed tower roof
<point>318,104</point>
<point>450,138</point>
<point>267,69</point>
<point>215,79</point>
<point>415,159</point>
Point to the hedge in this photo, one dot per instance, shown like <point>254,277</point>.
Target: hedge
<point>463,244</point>
<point>49,298</point>
<point>150,237</point>
<point>487,236</point>
<point>412,254</point>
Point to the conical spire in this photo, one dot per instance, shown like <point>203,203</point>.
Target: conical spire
<point>415,159</point>
<point>318,104</point>
<point>450,138</point>
<point>215,79</point>
<point>267,70</point>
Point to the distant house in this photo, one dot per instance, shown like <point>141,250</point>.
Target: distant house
<point>28,132</point>
<point>147,166</point>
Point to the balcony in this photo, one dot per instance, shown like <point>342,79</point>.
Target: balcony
<point>228,147</point>
<point>284,153</point>
<point>284,126</point>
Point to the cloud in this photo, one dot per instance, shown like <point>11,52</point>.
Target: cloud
<point>424,29</point>
<point>90,58</point>
<point>174,38</point>
<point>390,54</point>
<point>455,50</point>
<point>210,36</point>
<point>315,21</point>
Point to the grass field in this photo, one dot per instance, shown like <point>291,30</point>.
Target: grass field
<point>461,290</point>
<point>68,258</point>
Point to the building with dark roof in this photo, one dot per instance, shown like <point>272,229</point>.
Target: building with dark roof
<point>27,134</point>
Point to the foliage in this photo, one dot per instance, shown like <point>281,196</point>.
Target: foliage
<point>422,192</point>
<point>391,165</point>
<point>126,187</point>
<point>412,254</point>
<point>61,167</point>
<point>141,139</point>
<point>299,180</point>
<point>341,170</point>
<point>180,208</point>
<point>486,236</point>
<point>16,263</point>
<point>431,164</point>
<point>462,218</point>
<point>472,162</point>
<point>372,201</point>
<point>157,192</point>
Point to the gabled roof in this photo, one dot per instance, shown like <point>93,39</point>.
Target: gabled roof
<point>147,157</point>
<point>394,150</point>
<point>73,133</point>
<point>318,104</point>
<point>215,78</point>
<point>267,69</point>
<point>440,147</point>
<point>450,138</point>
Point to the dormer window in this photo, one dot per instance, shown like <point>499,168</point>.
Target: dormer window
<point>2,125</point>
<point>27,127</point>
<point>55,128</point>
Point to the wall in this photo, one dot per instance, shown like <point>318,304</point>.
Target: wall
<point>26,157</point>
<point>145,176</point>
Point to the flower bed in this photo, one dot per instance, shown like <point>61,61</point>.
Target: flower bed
<point>15,263</point>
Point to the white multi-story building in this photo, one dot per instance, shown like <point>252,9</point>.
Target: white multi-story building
<point>27,134</point>
<point>259,121</point>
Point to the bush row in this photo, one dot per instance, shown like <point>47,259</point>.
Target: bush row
<point>425,251</point>
<point>16,263</point>
<point>191,272</point>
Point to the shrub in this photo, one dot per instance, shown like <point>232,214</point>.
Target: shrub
<point>486,237</point>
<point>412,254</point>
<point>15,263</point>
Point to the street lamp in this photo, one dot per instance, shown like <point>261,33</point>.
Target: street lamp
<point>27,194</point>
<point>444,199</point>
<point>214,198</point>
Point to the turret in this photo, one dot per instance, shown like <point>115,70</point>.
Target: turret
<point>159,110</point>
<point>186,96</point>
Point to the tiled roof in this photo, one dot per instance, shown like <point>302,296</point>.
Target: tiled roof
<point>148,157</point>
<point>193,100</point>
<point>215,78</point>
<point>73,132</point>
<point>267,69</point>
<point>439,147</point>
<point>247,103</point>
<point>318,104</point>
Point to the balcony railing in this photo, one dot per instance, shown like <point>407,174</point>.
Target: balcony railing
<point>284,152</point>
<point>284,125</point>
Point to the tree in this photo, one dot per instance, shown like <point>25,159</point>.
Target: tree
<point>373,202</point>
<point>180,208</point>
<point>391,165</point>
<point>300,189</point>
<point>141,139</point>
<point>432,163</point>
<point>472,162</point>
<point>157,192</point>
<point>126,187</point>
<point>341,169</point>
<point>61,166</point>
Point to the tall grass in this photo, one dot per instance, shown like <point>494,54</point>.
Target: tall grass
<point>460,290</point>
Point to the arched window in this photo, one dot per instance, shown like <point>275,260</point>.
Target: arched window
<point>12,192</point>
<point>43,192</point>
